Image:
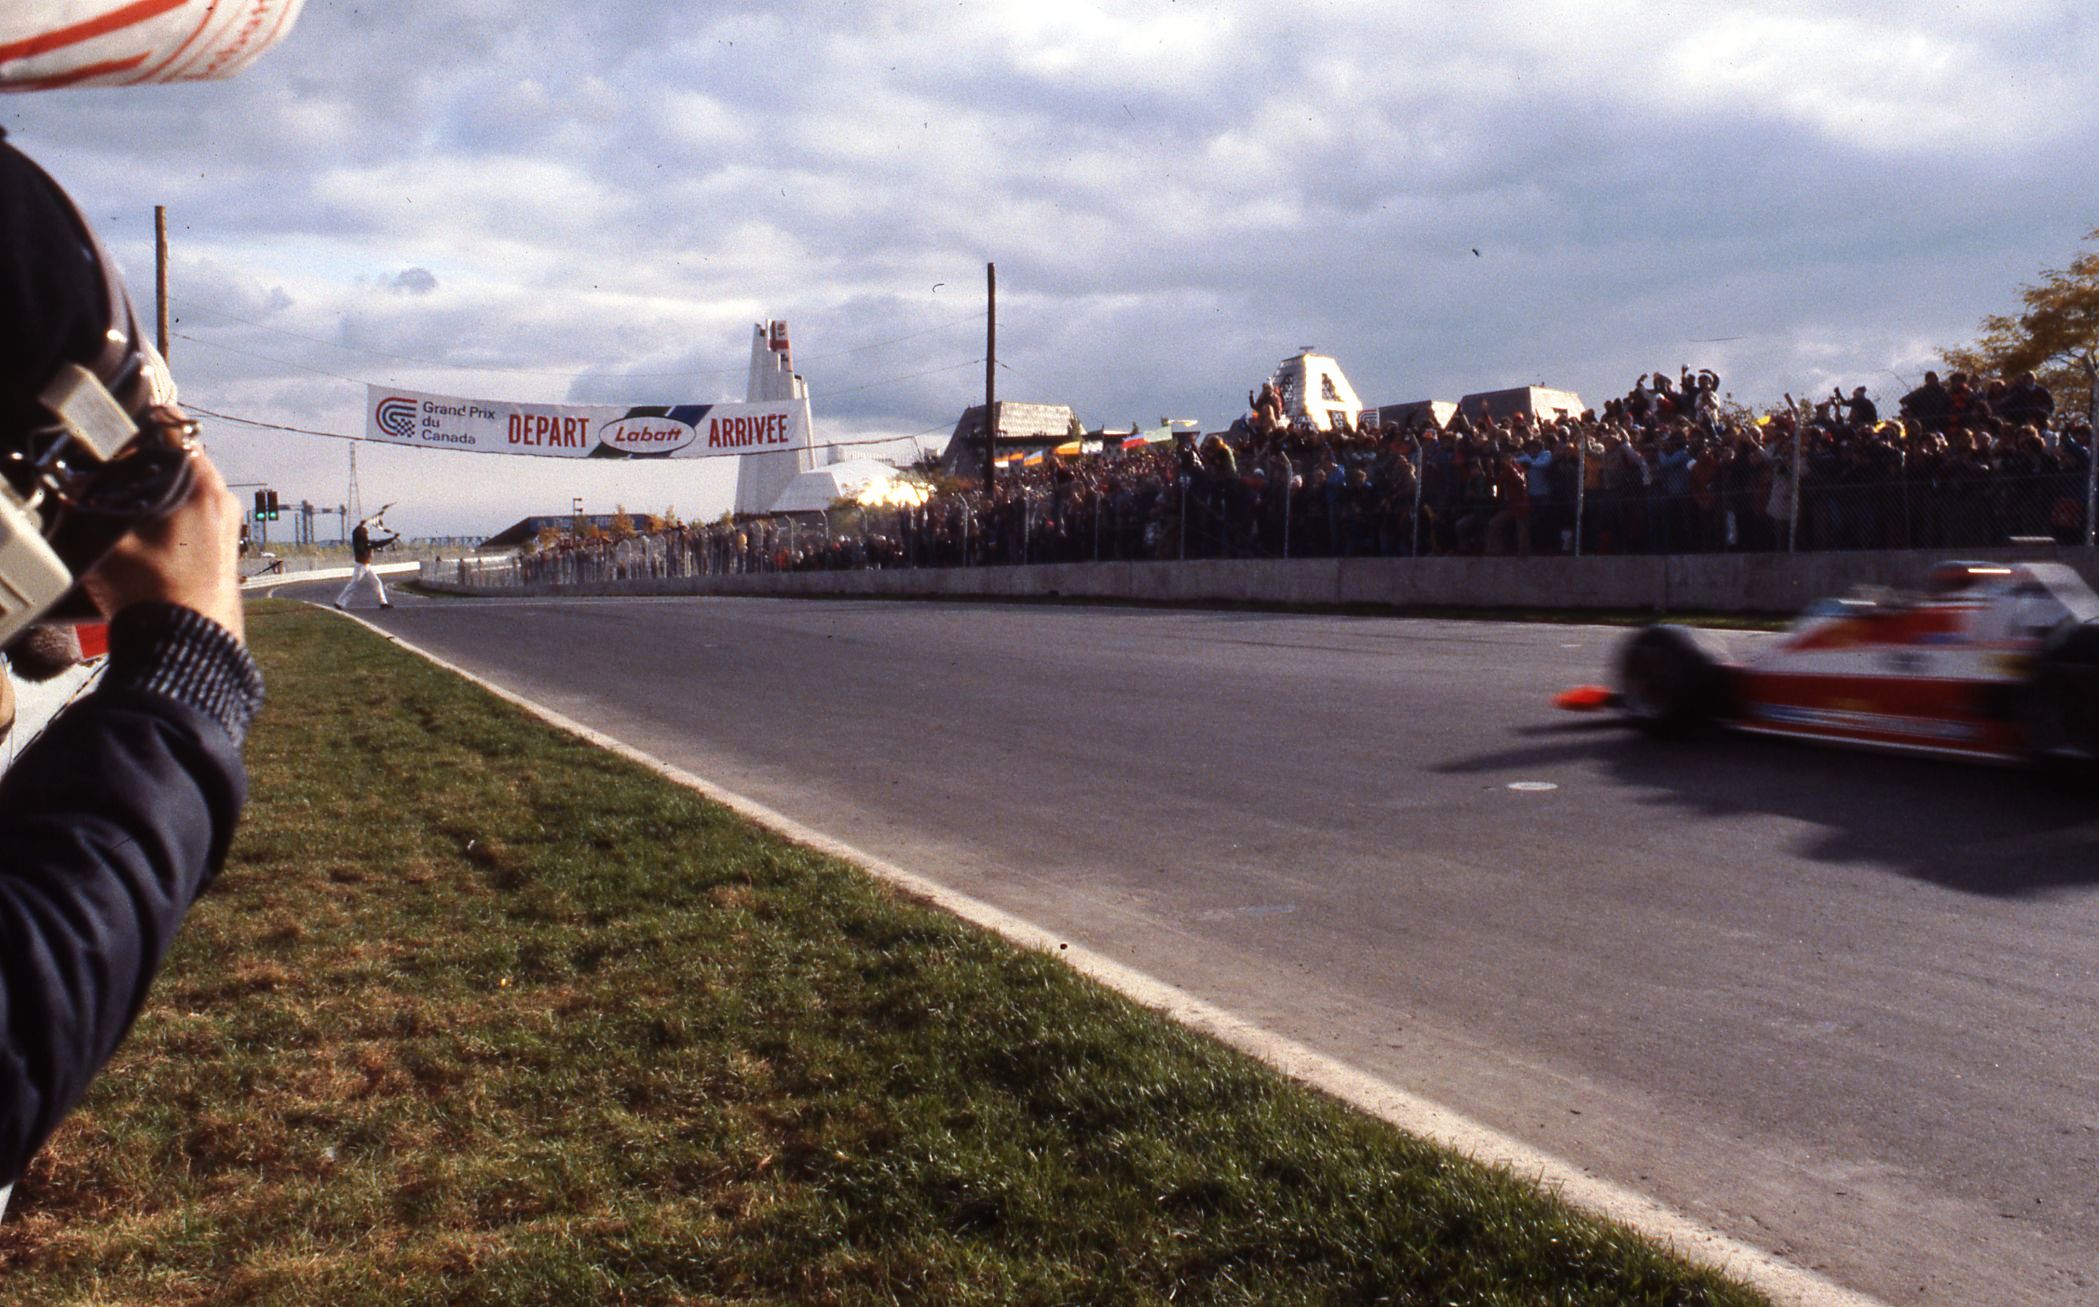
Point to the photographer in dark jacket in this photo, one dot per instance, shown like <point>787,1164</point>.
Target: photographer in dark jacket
<point>115,819</point>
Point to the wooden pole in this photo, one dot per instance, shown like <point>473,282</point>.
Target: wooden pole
<point>160,277</point>
<point>990,376</point>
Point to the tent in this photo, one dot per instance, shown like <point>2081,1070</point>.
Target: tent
<point>816,490</point>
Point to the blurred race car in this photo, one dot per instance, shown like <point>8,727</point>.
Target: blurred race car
<point>1991,660</point>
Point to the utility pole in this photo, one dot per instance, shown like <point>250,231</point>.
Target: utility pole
<point>356,492</point>
<point>990,376</point>
<point>160,278</point>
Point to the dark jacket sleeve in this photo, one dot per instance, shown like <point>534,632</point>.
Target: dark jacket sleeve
<point>110,826</point>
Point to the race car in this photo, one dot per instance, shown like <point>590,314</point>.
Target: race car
<point>1992,660</point>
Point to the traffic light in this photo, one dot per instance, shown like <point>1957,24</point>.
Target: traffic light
<point>273,506</point>
<point>262,506</point>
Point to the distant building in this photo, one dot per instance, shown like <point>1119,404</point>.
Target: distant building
<point>1414,415</point>
<point>1539,403</point>
<point>517,533</point>
<point>1019,429</point>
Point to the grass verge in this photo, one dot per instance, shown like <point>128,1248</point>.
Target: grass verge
<point>481,1014</point>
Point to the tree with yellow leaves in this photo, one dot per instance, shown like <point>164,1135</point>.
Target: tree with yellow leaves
<point>2056,338</point>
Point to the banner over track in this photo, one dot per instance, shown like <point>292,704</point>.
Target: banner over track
<point>491,426</point>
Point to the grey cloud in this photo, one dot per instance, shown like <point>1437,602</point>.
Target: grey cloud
<point>413,281</point>
<point>1163,236</point>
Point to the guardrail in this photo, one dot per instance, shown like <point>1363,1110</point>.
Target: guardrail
<point>1745,583</point>
<point>266,579</point>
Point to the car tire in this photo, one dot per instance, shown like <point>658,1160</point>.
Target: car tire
<point>2062,719</point>
<point>1671,684</point>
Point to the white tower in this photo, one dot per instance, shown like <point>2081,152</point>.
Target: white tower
<point>761,477</point>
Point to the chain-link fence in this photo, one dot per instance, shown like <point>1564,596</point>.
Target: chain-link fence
<point>1398,499</point>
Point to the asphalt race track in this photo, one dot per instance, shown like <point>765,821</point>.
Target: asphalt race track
<point>1841,1006</point>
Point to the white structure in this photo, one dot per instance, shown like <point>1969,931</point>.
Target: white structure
<point>818,489</point>
<point>1539,404</point>
<point>761,478</point>
<point>1314,388</point>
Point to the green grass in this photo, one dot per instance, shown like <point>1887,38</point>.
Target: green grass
<point>480,1014</point>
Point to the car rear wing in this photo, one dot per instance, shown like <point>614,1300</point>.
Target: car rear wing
<point>2066,587</point>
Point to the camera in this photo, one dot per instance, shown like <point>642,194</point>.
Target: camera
<point>91,444</point>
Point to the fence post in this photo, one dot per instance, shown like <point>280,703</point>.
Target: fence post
<point>2091,483</point>
<point>2091,454</point>
<point>1420,476</point>
<point>1289,495</point>
<point>1793,522</point>
<point>1909,539</point>
<point>1581,486</point>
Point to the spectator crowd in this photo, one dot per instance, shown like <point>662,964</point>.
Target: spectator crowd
<point>1672,466</point>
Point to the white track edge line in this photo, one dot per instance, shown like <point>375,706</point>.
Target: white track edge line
<point>1785,1283</point>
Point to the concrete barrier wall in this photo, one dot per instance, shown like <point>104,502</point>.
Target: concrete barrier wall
<point>1728,583</point>
<point>263,580</point>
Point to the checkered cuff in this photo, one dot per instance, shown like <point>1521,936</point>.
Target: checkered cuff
<point>180,654</point>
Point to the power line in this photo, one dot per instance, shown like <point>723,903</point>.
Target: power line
<point>266,358</point>
<point>854,390</point>
<point>548,372</point>
<point>896,340</point>
<point>363,381</point>
<point>1030,378</point>
<point>356,349</point>
<point>273,426</point>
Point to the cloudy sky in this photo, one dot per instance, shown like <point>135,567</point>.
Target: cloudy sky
<point>593,202</point>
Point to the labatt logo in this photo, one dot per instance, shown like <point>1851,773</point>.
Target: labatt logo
<point>646,435</point>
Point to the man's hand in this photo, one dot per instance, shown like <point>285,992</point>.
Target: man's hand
<point>190,557</point>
